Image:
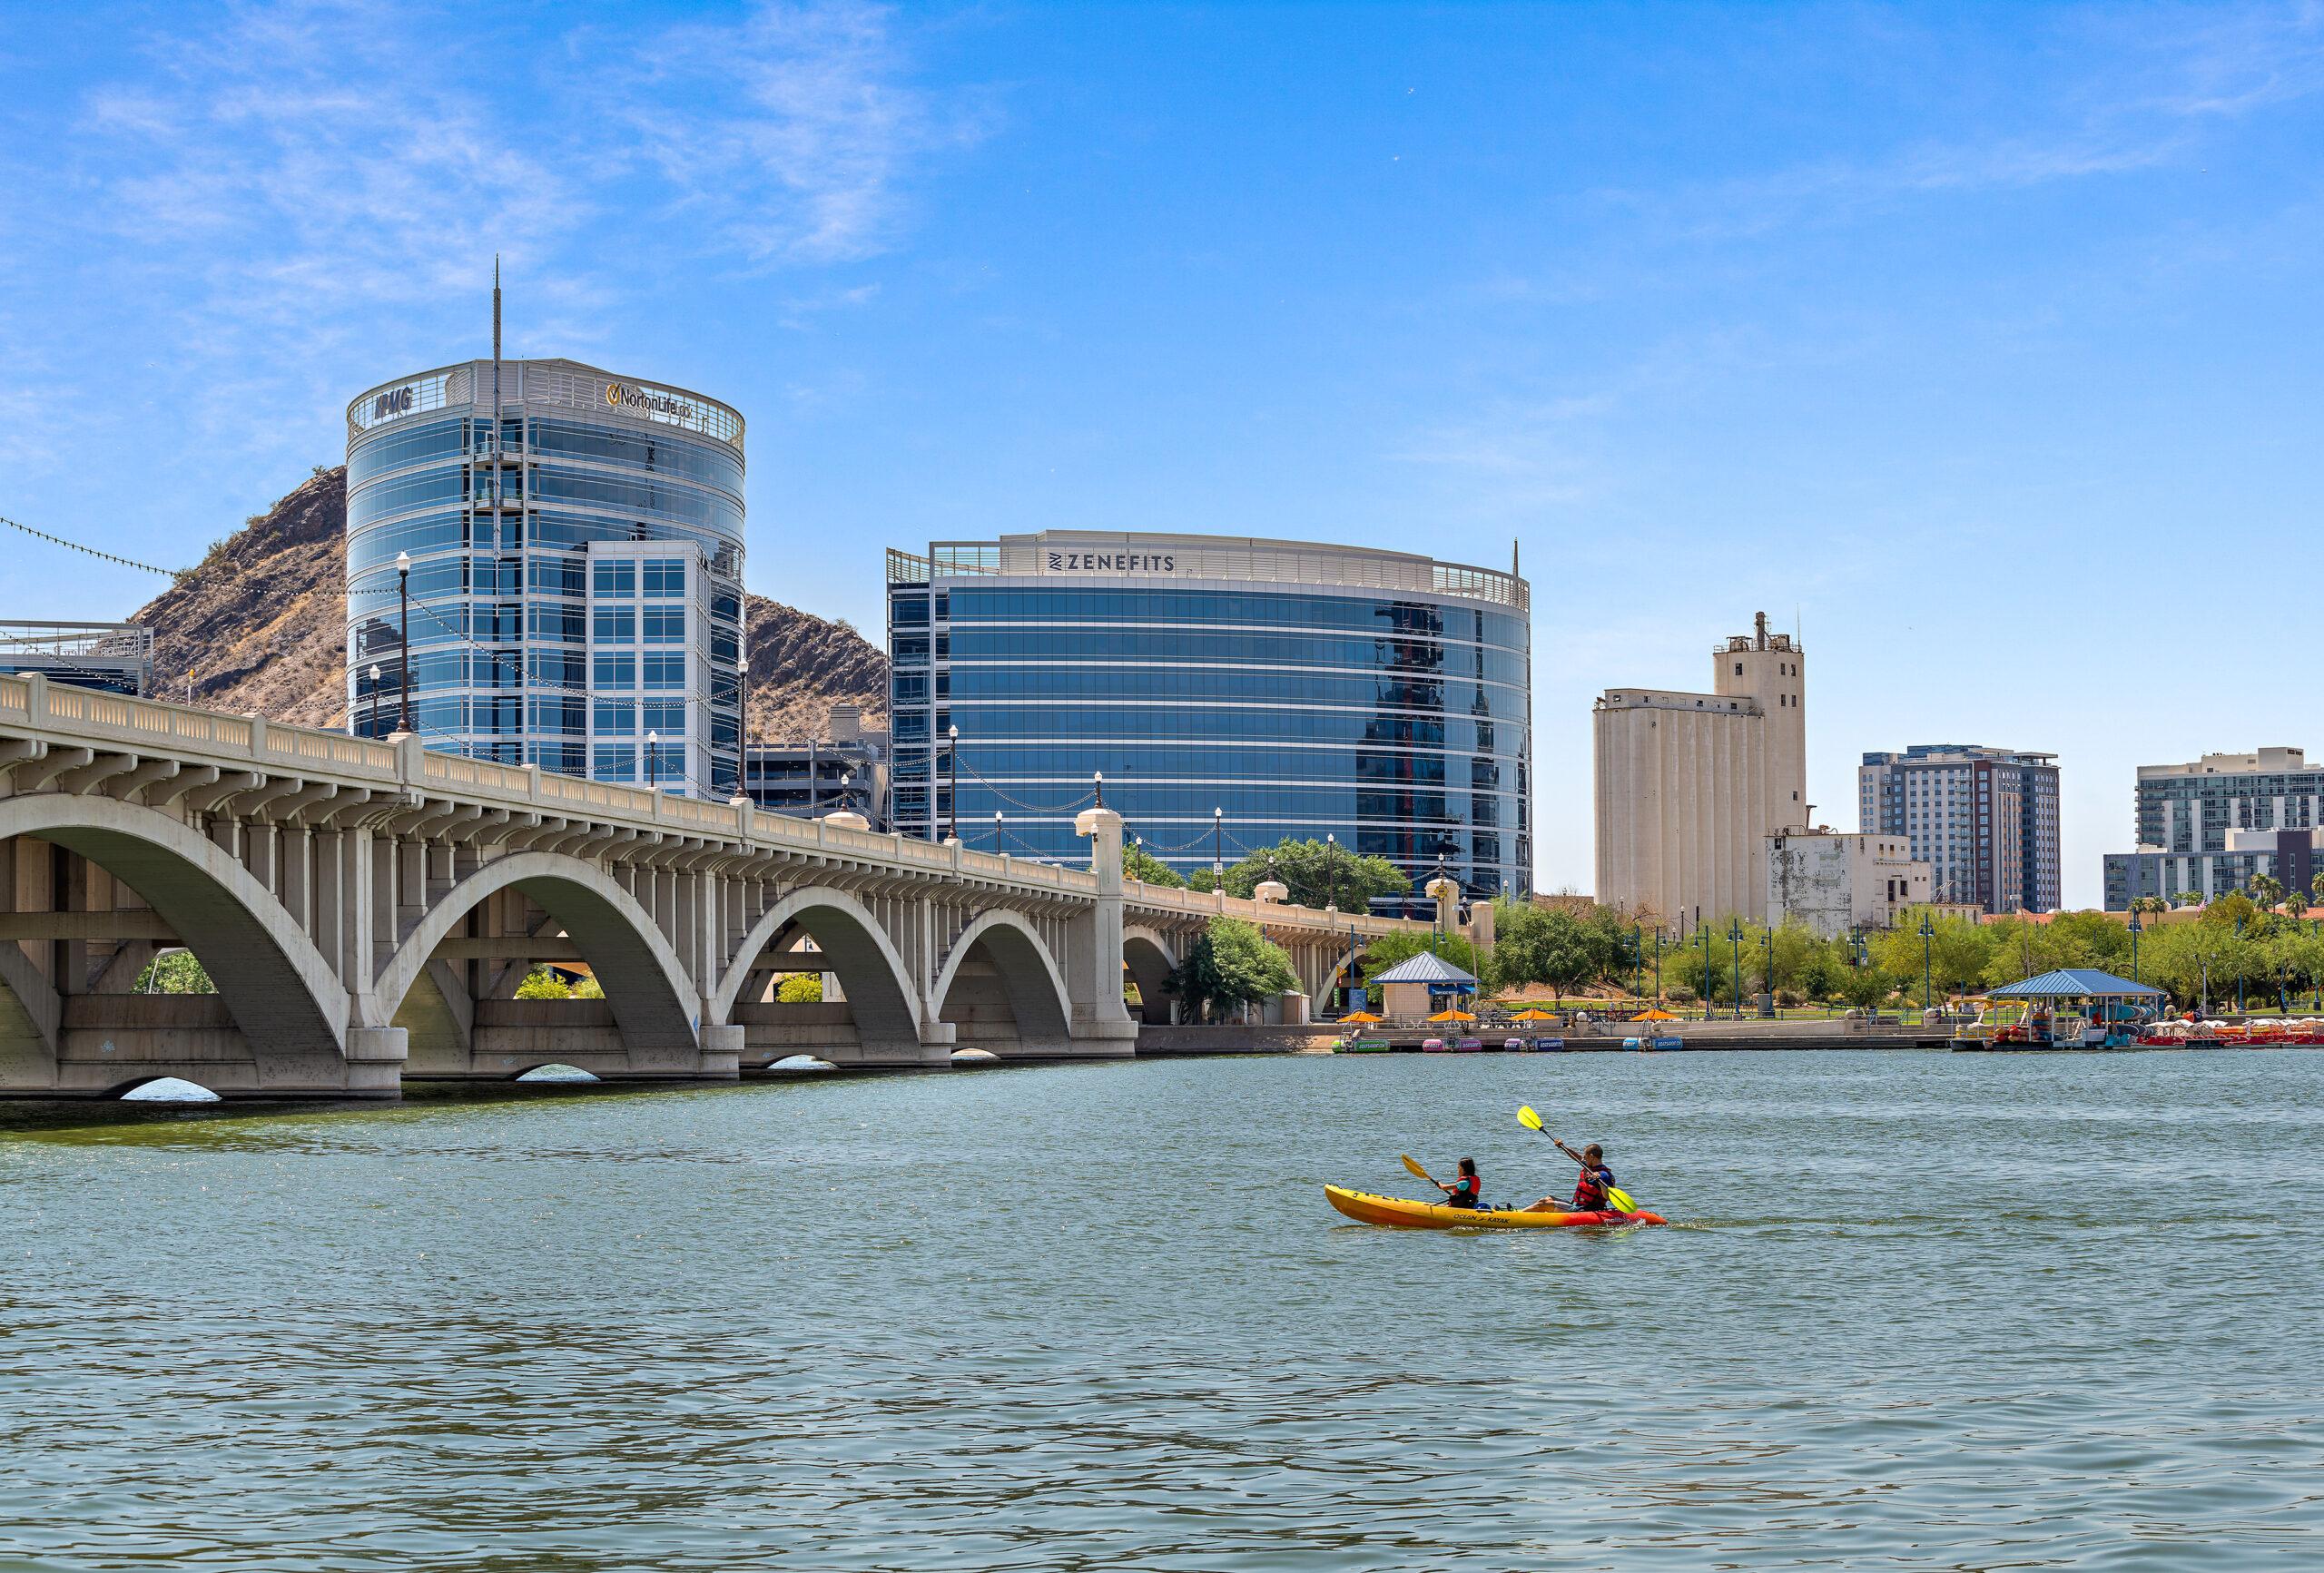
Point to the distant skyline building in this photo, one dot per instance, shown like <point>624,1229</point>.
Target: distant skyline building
<point>844,771</point>
<point>1233,691</point>
<point>1690,786</point>
<point>2206,827</point>
<point>1836,882</point>
<point>575,588</point>
<point>117,657</point>
<point>1986,819</point>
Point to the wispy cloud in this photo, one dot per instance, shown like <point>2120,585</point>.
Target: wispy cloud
<point>288,191</point>
<point>786,133</point>
<point>2139,93</point>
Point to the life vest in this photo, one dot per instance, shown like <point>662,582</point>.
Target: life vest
<point>1590,1193</point>
<point>1468,1191</point>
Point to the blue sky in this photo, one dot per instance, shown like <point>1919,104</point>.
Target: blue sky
<point>1979,342</point>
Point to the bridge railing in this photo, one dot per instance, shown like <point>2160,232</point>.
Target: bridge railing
<point>1170,898</point>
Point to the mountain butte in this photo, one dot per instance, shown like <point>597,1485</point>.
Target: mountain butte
<point>259,628</point>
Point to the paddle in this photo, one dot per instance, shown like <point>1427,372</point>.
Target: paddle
<point>1417,1169</point>
<point>1620,1198</point>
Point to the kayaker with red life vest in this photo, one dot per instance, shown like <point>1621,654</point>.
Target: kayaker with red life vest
<point>1589,1191</point>
<point>1468,1191</point>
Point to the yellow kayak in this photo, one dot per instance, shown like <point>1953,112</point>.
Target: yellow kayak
<point>1397,1212</point>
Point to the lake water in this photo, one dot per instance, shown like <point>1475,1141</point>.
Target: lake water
<point>1921,1311</point>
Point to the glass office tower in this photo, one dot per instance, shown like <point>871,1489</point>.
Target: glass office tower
<point>576,577</point>
<point>1304,690</point>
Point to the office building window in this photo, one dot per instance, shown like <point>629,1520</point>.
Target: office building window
<point>665,625</point>
<point>617,719</point>
<point>665,576</point>
<point>615,762</point>
<point>665,672</point>
<point>620,671</point>
<point>617,577</point>
<point>616,624</point>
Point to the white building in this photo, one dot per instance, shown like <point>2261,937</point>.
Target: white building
<point>1691,785</point>
<point>1835,881</point>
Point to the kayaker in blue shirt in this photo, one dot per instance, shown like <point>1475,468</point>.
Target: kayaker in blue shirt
<point>1468,1191</point>
<point>1589,1191</point>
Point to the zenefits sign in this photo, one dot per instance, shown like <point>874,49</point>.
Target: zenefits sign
<point>1112,563</point>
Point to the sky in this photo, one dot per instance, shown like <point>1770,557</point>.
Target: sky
<point>1977,344</point>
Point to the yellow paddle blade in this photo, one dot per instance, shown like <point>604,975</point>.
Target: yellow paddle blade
<point>1622,1199</point>
<point>1528,1118</point>
<point>1417,1169</point>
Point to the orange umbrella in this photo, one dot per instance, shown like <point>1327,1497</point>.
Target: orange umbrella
<point>1363,1015</point>
<point>1655,1015</point>
<point>1535,1014</point>
<point>1452,1015</point>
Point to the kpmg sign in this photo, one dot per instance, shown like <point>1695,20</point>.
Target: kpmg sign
<point>1112,563</point>
<point>392,403</point>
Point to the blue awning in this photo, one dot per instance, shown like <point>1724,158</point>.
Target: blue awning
<point>1425,967</point>
<point>2076,983</point>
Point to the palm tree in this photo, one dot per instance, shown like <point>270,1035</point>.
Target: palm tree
<point>2266,891</point>
<point>2295,904</point>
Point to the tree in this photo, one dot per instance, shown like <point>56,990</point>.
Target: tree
<point>543,983</point>
<point>1316,873</point>
<point>1232,964</point>
<point>800,989</point>
<point>1541,945</point>
<point>2295,903</point>
<point>589,988</point>
<point>2266,890</point>
<point>175,972</point>
<point>1138,863</point>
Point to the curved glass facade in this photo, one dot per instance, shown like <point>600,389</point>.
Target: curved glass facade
<point>1376,696</point>
<point>576,595</point>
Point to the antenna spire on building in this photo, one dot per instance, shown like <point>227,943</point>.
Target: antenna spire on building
<point>1512,559</point>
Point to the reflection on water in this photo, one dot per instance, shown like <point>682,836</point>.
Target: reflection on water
<point>1921,1311</point>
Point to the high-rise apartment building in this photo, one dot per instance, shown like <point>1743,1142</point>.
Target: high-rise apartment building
<point>574,588</point>
<point>1232,691</point>
<point>2205,828</point>
<point>1690,786</point>
<point>1984,820</point>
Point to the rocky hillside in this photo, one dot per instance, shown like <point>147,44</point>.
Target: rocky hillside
<point>259,626</point>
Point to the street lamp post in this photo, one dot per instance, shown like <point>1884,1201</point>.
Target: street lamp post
<point>1927,975</point>
<point>996,831</point>
<point>375,698</point>
<point>2134,946</point>
<point>952,783</point>
<point>1735,944</point>
<point>1098,777</point>
<point>1331,869</point>
<point>653,761</point>
<point>1218,849</point>
<point>403,614</point>
<point>846,788</point>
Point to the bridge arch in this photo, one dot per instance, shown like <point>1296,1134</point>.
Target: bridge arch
<point>1151,959</point>
<point>653,1001</point>
<point>1029,978</point>
<point>283,996</point>
<point>880,994</point>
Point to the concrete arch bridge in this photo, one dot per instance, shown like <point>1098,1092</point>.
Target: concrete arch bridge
<point>366,909</point>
